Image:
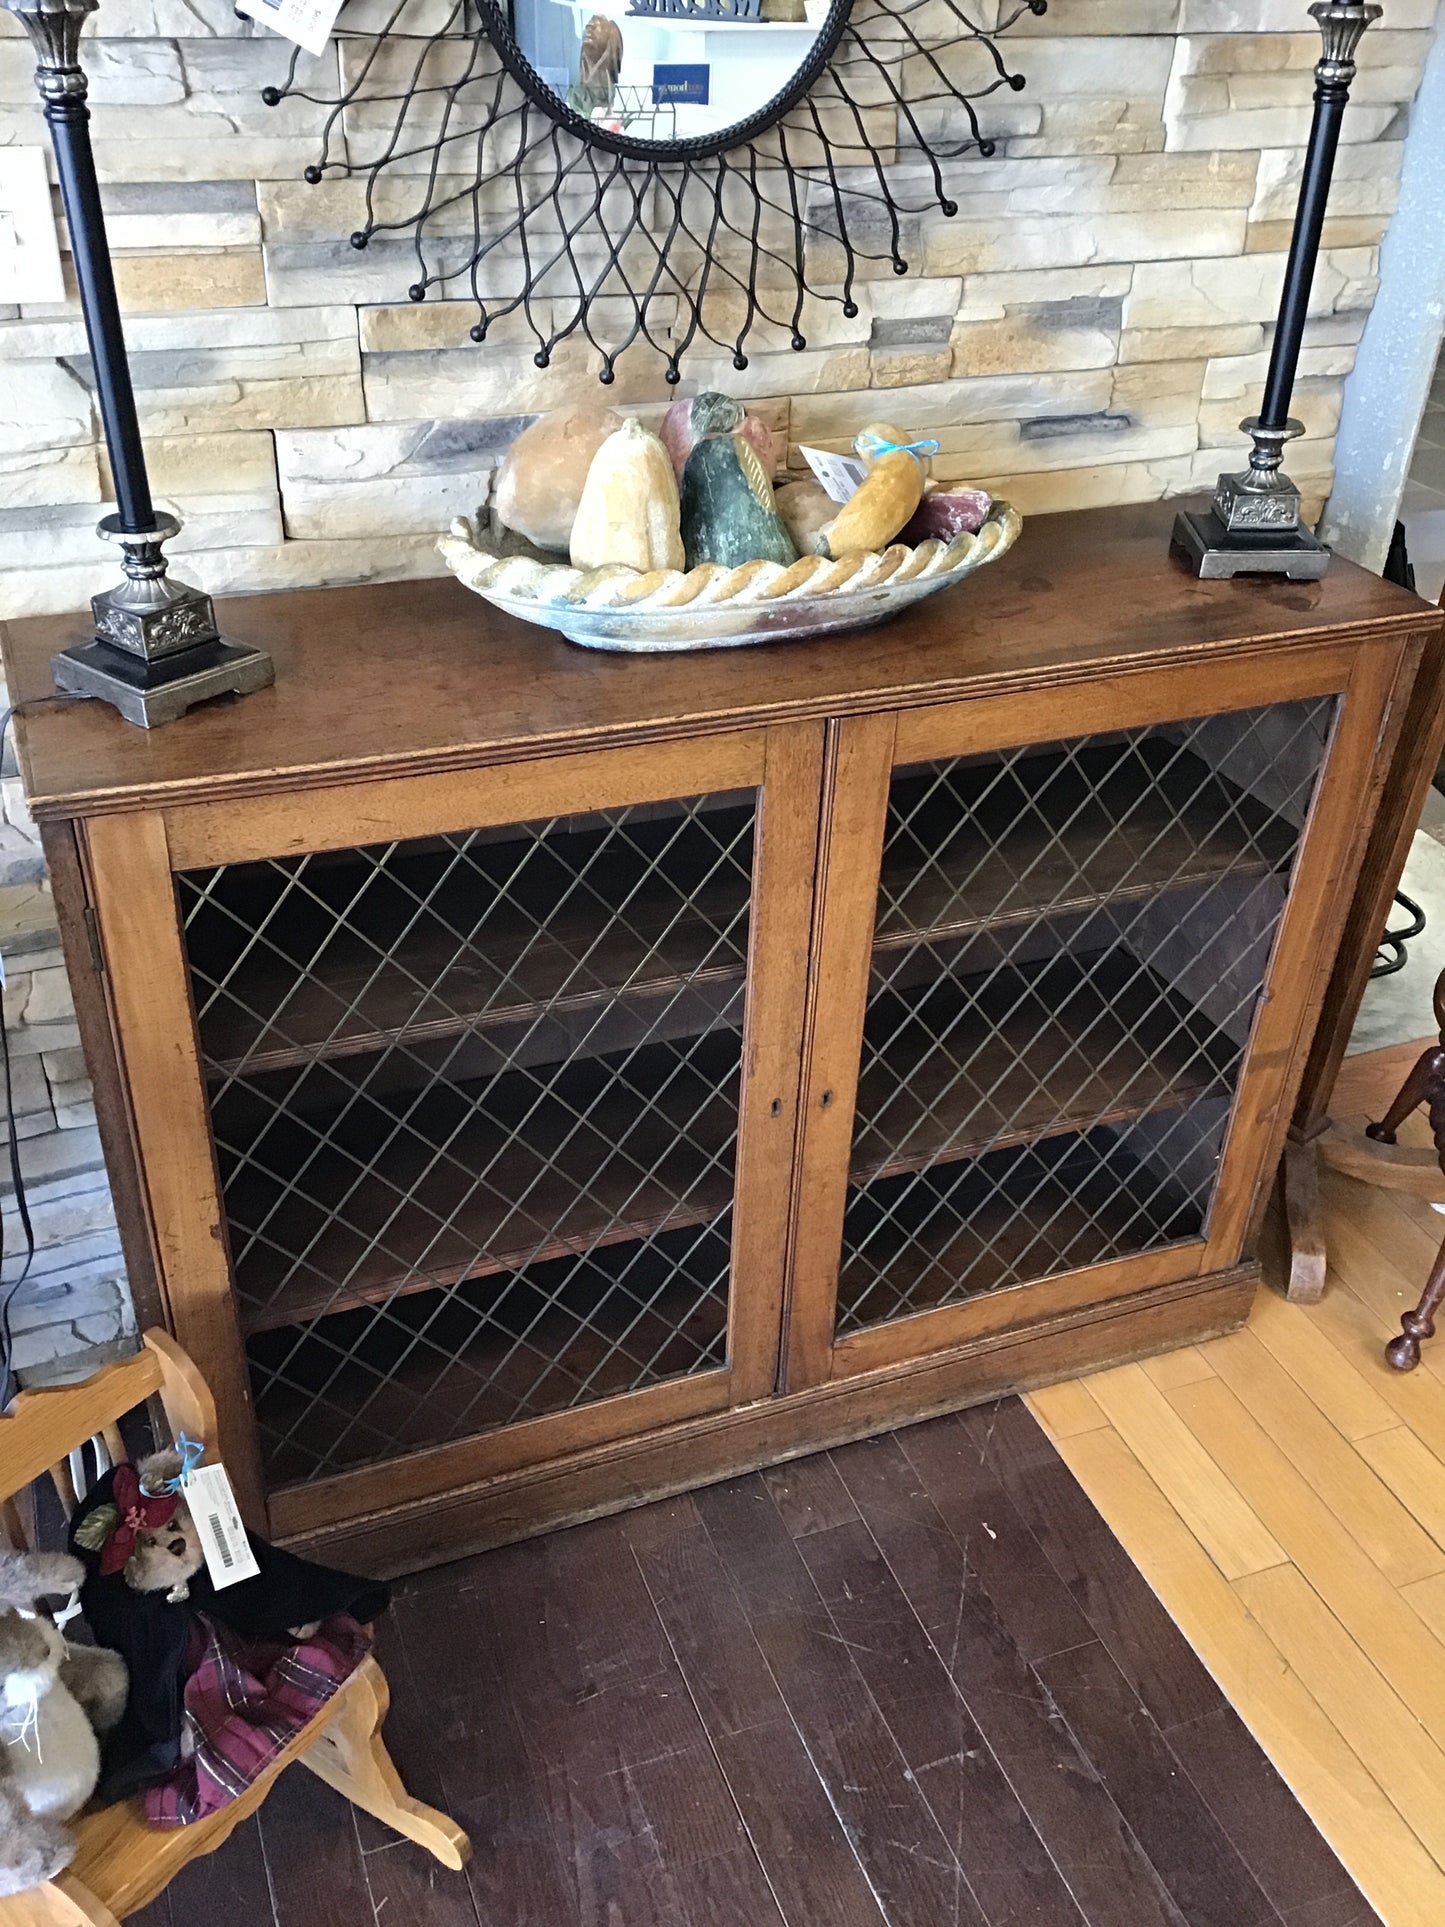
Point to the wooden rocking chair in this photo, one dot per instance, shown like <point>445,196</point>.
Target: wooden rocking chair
<point>121,1864</point>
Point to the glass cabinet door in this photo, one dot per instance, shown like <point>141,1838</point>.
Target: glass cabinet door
<point>1069,944</point>
<point>478,1105</point>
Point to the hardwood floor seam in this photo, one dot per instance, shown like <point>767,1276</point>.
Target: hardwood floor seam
<point>1334,1655</point>
<point>1334,1785</point>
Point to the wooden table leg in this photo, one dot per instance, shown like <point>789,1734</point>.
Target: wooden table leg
<point>1303,1221</point>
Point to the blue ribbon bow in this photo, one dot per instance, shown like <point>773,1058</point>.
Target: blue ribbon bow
<point>192,1452</point>
<point>876,445</point>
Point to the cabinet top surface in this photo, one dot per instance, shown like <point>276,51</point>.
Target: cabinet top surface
<point>410,676</point>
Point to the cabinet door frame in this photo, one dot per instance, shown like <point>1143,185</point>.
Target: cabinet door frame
<point>862,755</point>
<point>131,860</point>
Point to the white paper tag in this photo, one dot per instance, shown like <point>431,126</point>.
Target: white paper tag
<point>307,22</point>
<point>229,1557</point>
<point>839,474</point>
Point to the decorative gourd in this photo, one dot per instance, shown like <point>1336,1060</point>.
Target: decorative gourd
<point>540,481</point>
<point>886,497</point>
<point>629,508</point>
<point>729,514</point>
<point>805,506</point>
<point>691,421</point>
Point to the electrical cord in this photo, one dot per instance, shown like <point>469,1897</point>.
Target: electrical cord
<point>8,1293</point>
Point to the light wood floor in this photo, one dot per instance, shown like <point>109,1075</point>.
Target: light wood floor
<point>1283,1492</point>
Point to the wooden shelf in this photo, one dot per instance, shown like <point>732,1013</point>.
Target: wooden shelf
<point>568,1333</point>
<point>999,1221</point>
<point>276,1013</point>
<point>602,1160</point>
<point>1050,1051</point>
<point>995,864</point>
<point>364,1226</point>
<point>979,850</point>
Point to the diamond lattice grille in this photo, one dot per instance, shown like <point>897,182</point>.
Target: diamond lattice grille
<point>1070,946</point>
<point>475,1101</point>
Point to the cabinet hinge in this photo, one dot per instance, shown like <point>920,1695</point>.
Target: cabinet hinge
<point>92,937</point>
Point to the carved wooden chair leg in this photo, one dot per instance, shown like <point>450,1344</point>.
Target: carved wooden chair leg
<point>1414,1092</point>
<point>352,1757</point>
<point>1404,1352</point>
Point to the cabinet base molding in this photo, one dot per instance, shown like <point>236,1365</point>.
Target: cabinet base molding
<point>724,1445</point>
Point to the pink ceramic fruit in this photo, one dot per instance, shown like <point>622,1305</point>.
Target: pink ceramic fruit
<point>945,512</point>
<point>693,419</point>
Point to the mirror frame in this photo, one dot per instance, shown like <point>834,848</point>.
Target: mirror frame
<point>560,293</point>
<point>497,25</point>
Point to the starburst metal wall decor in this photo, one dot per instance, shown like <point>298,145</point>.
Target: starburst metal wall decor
<point>512,198</point>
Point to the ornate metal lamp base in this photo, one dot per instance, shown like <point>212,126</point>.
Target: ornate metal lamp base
<point>160,692</point>
<point>1202,541</point>
<point>156,651</point>
<point>1253,525</point>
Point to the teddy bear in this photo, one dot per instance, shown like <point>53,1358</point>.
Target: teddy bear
<point>144,1529</point>
<point>56,1700</point>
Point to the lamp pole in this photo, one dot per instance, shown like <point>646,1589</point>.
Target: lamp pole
<point>156,650</point>
<point>1253,525</point>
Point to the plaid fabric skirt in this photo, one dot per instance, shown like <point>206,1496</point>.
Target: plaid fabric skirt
<point>245,1699</point>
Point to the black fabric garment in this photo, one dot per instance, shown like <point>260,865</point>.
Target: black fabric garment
<point>151,1635</point>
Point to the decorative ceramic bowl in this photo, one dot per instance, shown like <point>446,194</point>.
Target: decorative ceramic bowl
<point>711,607</point>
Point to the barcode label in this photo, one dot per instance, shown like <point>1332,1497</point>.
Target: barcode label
<point>841,475</point>
<point>229,1557</point>
<point>307,22</point>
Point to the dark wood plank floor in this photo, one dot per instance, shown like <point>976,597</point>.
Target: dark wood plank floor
<point>911,1683</point>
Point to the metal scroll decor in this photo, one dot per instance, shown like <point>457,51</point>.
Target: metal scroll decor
<point>682,173</point>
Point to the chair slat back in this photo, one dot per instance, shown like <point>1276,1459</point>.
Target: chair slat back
<point>68,1489</point>
<point>13,1531</point>
<point>72,1476</point>
<point>48,1431</point>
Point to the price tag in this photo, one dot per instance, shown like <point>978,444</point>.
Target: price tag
<point>839,474</point>
<point>229,1557</point>
<point>307,22</point>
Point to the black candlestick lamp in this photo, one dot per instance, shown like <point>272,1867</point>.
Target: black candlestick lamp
<point>156,650</point>
<point>1253,526</point>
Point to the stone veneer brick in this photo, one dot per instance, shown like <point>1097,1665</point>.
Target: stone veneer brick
<point>1088,330</point>
<point>74,1304</point>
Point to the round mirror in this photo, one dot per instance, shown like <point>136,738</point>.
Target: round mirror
<point>648,76</point>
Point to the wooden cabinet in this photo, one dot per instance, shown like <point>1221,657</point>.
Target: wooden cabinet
<point>581,1078</point>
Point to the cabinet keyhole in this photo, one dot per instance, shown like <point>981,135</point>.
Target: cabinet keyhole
<point>827,1099</point>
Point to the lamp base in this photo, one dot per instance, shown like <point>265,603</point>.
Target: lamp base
<point>161,691</point>
<point>1208,549</point>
